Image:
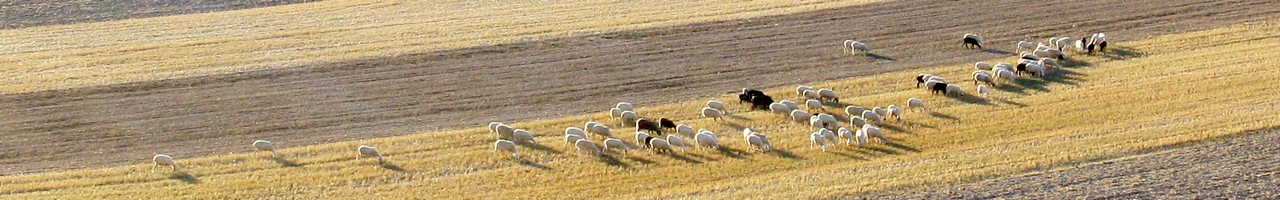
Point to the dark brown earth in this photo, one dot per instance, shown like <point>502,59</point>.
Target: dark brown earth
<point>462,88</point>
<point>1245,167</point>
<point>29,13</point>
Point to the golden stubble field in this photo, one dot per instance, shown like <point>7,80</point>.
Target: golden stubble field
<point>1146,95</point>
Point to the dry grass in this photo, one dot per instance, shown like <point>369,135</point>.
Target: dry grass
<point>1148,95</point>
<point>298,35</point>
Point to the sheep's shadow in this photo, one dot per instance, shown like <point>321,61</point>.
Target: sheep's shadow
<point>881,149</point>
<point>1004,101</point>
<point>880,57</point>
<point>895,128</point>
<point>184,177</point>
<point>996,51</point>
<point>391,166</point>
<point>640,160</point>
<point>846,155</point>
<point>731,152</point>
<point>611,161</point>
<point>532,164</point>
<point>735,126</point>
<point>910,123</point>
<point>943,116</point>
<point>1121,53</point>
<point>903,147</point>
<point>785,154</point>
<point>679,157</point>
<point>1032,83</point>
<point>1072,63</point>
<point>699,156</point>
<point>284,162</point>
<point>736,117</point>
<point>540,147</point>
<point>970,99</point>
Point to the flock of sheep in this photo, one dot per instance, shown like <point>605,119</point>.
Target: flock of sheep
<point>1039,61</point>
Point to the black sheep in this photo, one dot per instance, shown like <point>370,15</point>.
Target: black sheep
<point>1102,47</point>
<point>971,42</point>
<point>648,125</point>
<point>761,102</point>
<point>747,94</point>
<point>938,88</point>
<point>919,80</point>
<point>667,123</point>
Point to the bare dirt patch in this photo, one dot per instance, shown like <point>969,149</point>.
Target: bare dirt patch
<point>22,14</point>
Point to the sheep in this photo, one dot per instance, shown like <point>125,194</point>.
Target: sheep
<point>615,143</point>
<point>1036,69</point>
<point>871,116</point>
<point>799,115</point>
<point>855,47</point>
<point>916,103</point>
<point>717,105</point>
<point>1099,40</point>
<point>955,90</point>
<point>164,160</point>
<point>895,112</point>
<point>828,95</point>
<point>813,104</point>
<point>831,119</point>
<point>507,146</point>
<point>1063,43</point>
<point>748,93</point>
<point>523,136</point>
<point>575,131</point>
<point>816,122</point>
<point>937,78</point>
<point>853,110</point>
<point>920,79</point>
<point>660,145</point>
<point>817,139</point>
<point>984,77</point>
<point>937,87</point>
<point>504,131</point>
<point>615,113</point>
<point>800,90</point>
<point>874,131</point>
<point>263,145</point>
<point>712,113</point>
<point>982,66</point>
<point>666,123</point>
<point>707,139</point>
<point>643,139</point>
<point>880,111</point>
<point>971,40</point>
<point>1006,75</point>
<point>590,124</point>
<point>857,121</point>
<point>625,106</point>
<point>493,127</point>
<point>861,137</point>
<point>812,94</point>
<point>676,141</point>
<point>761,102</point>
<point>846,134</point>
<point>790,104</point>
<point>983,90</point>
<point>648,125</point>
<point>628,117</point>
<point>1025,45</point>
<point>779,108</point>
<point>587,146</point>
<point>684,129</point>
<point>760,142</point>
<point>829,135</point>
<point>569,139</point>
<point>1005,66</point>
<point>368,151</point>
<point>600,129</point>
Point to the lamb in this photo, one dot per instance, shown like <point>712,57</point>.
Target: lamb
<point>648,125</point>
<point>666,123</point>
<point>660,145</point>
<point>628,117</point>
<point>684,129</point>
<point>799,115</point>
<point>676,141</point>
<point>816,139</point>
<point>984,91</point>
<point>587,146</point>
<point>707,139</point>
<point>164,160</point>
<point>828,95</point>
<point>615,113</point>
<point>853,110</point>
<point>871,116</point>
<point>916,103</point>
<point>779,108</point>
<point>625,106</point>
<point>954,89</point>
<point>854,47</point>
<point>895,112</point>
<point>615,143</point>
<point>1025,45</point>
<point>523,136</point>
<point>507,146</point>
<point>600,129</point>
<point>709,112</point>
<point>368,151</point>
<point>813,104</point>
<point>263,145</point>
<point>982,66</point>
<point>972,40</point>
<point>861,136</point>
<point>874,131</point>
<point>504,131</point>
<point>717,105</point>
<point>643,139</point>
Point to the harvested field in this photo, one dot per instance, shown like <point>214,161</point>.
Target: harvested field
<point>31,13</point>
<point>118,105</point>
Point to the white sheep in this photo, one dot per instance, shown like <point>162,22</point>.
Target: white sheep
<point>853,110</point>
<point>799,115</point>
<point>895,112</point>
<point>707,139</point>
<point>263,145</point>
<point>523,136</point>
<point>712,113</point>
<point>569,139</point>
<point>676,141</point>
<point>930,83</point>
<point>588,146</point>
<point>827,118</point>
<point>590,124</point>
<point>575,131</point>
<point>660,145</point>
<point>625,106</point>
<point>368,151</point>
<point>983,90</point>
<point>872,117</point>
<point>1025,45</point>
<point>854,47</point>
<point>615,113</point>
<point>982,66</point>
<point>861,136</point>
<point>600,129</point>
<point>936,78</point>
<point>817,139</point>
<point>1005,66</point>
<point>790,104</point>
<point>615,143</point>
<point>493,127</point>
<point>916,103</point>
<point>813,104</point>
<point>880,111</point>
<point>684,129</point>
<point>846,134</point>
<point>953,89</point>
<point>857,121</point>
<point>800,90</point>
<point>828,95</point>
<point>874,131</point>
<point>816,123</point>
<point>779,108</point>
<point>983,76</point>
<point>717,105</point>
<point>759,142</point>
<point>1063,43</point>
<point>642,138</point>
<point>1006,75</point>
<point>164,160</point>
<point>812,94</point>
<point>628,117</point>
<point>506,146</point>
<point>504,131</point>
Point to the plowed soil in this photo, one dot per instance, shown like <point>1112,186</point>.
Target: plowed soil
<point>126,123</point>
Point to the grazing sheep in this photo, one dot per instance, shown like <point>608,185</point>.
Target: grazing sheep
<point>880,111</point>
<point>615,113</point>
<point>684,129</point>
<point>590,124</point>
<point>523,136</point>
<point>615,143</point>
<point>827,118</point>
<point>1036,69</point>
<point>983,90</point>
<point>817,139</point>
<point>507,146</point>
<point>937,87</point>
<point>853,110</point>
<point>855,47</point>
<point>760,142</point>
<point>799,115</point>
<point>984,77</point>
<point>600,129</point>
<point>643,139</point>
<point>861,136</point>
<point>1006,75</point>
<point>660,145</point>
<point>895,112</point>
<point>790,104</point>
<point>717,105</point>
<point>676,141</point>
<point>1005,66</point>
<point>263,145</point>
<point>955,90</point>
<point>493,127</point>
<point>920,79</point>
<point>936,78</point>
<point>587,146</point>
<point>813,104</point>
<point>569,139</point>
<point>779,108</point>
<point>761,102</point>
<point>748,93</point>
<point>667,123</point>
<point>628,117</point>
<point>712,113</point>
<point>504,131</point>
<point>846,134</point>
<point>871,116</point>
<point>1025,45</point>
<point>828,95</point>
<point>368,151</point>
<point>971,40</point>
<point>916,103</point>
<point>164,160</point>
<point>648,125</point>
<point>707,139</point>
<point>982,66</point>
<point>857,121</point>
<point>575,131</point>
<point>874,131</point>
<point>812,94</point>
<point>800,90</point>
<point>1063,43</point>
<point>816,122</point>
<point>625,106</point>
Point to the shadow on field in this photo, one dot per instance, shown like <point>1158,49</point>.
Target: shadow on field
<point>686,159</point>
<point>837,105</point>
<point>997,52</point>
<point>881,150</point>
<point>1120,53</point>
<point>532,164</point>
<point>540,147</point>
<point>1004,101</point>
<point>970,99</point>
<point>184,177</point>
<point>640,160</point>
<point>699,156</point>
<point>285,162</point>
<point>880,57</point>
<point>786,154</point>
<point>903,147</point>
<point>731,152</point>
<point>735,126</point>
<point>942,115</point>
<point>391,166</point>
<point>923,125</point>
<point>610,160</point>
<point>846,155</point>
<point>736,117</point>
